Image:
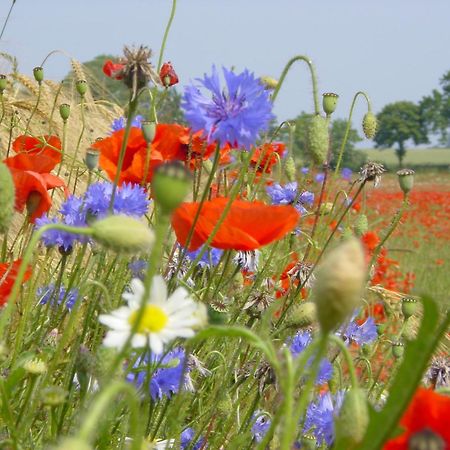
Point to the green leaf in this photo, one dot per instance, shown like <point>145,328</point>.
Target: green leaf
<point>417,354</point>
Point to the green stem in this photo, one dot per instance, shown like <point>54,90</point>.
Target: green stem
<point>166,33</point>
<point>80,137</point>
<point>33,112</point>
<point>7,17</point>
<point>287,410</point>
<point>348,358</point>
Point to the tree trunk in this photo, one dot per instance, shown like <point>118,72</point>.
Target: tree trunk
<point>400,151</point>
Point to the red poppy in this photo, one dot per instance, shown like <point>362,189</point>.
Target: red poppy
<point>266,156</point>
<point>113,70</point>
<point>48,146</point>
<point>370,240</point>
<point>428,412</point>
<point>247,226</point>
<point>168,75</point>
<point>8,274</point>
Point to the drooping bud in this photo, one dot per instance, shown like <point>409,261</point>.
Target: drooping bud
<point>361,225</point>
<point>409,307</point>
<point>369,125</point>
<point>170,185</point>
<point>123,234</point>
<point>269,83</point>
<point>64,111</point>
<point>353,419</point>
<point>38,73</point>
<point>290,169</point>
<point>302,315</point>
<point>325,208</point>
<point>317,139</point>
<point>81,86</point>
<point>406,179</point>
<point>168,75</point>
<point>148,130</point>
<point>339,284</point>
<point>3,83</point>
<point>329,102</point>
<point>92,158</point>
<point>398,348</point>
<point>6,197</point>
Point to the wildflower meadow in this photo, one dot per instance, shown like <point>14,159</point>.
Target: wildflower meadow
<point>194,283</point>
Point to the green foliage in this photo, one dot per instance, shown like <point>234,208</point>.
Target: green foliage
<point>399,122</point>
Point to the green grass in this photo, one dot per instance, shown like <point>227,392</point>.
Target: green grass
<point>414,157</point>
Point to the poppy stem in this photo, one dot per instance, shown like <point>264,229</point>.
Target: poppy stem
<point>166,33</point>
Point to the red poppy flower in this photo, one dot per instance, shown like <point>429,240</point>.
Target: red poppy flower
<point>49,146</point>
<point>168,75</point>
<point>113,70</point>
<point>266,156</point>
<point>8,274</point>
<point>428,412</point>
<point>247,226</point>
<point>370,240</point>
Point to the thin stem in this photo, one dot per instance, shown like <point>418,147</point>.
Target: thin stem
<point>166,33</point>
<point>348,358</point>
<point>7,18</point>
<point>33,112</point>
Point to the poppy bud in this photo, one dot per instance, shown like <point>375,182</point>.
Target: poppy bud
<point>353,419</point>
<point>361,225</point>
<point>406,179</point>
<point>3,83</point>
<point>7,197</point>
<point>73,444</point>
<point>369,125</point>
<point>317,139</point>
<point>339,284</point>
<point>64,111</point>
<point>381,328</point>
<point>325,208</point>
<point>53,396</point>
<point>302,315</point>
<point>148,130</point>
<point>38,73</point>
<point>168,75</point>
<point>81,86</point>
<point>92,158</point>
<point>329,103</point>
<point>269,83</point>
<point>398,348</point>
<point>289,168</point>
<point>409,307</point>
<point>170,185</point>
<point>35,366</point>
<point>123,234</point>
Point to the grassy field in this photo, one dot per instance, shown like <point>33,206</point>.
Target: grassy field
<point>414,157</point>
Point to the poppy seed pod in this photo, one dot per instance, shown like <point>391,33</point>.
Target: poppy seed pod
<point>398,348</point>
<point>409,307</point>
<point>353,419</point>
<point>317,139</point>
<point>406,179</point>
<point>7,195</point>
<point>64,111</point>
<point>340,281</point>
<point>3,83</point>
<point>329,103</point>
<point>81,86</point>
<point>38,73</point>
<point>148,130</point>
<point>369,125</point>
<point>92,158</point>
<point>123,234</point>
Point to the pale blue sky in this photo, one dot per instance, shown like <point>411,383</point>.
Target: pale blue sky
<point>392,49</point>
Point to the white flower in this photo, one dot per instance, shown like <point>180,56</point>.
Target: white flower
<point>163,320</point>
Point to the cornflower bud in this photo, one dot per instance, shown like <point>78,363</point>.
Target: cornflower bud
<point>406,180</point>
<point>317,139</point>
<point>64,111</point>
<point>329,103</point>
<point>6,197</point>
<point>369,125</point>
<point>38,73</point>
<point>339,284</point>
<point>81,86</point>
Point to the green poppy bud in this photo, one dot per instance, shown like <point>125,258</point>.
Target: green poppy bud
<point>170,185</point>
<point>325,208</point>
<point>269,83</point>
<point>409,306</point>
<point>369,125</point>
<point>406,179</point>
<point>3,83</point>
<point>35,366</point>
<point>7,197</point>
<point>398,348</point>
<point>302,315</point>
<point>381,328</point>
<point>290,169</point>
<point>64,111</point>
<point>361,225</point>
<point>340,281</point>
<point>53,395</point>
<point>81,86</point>
<point>353,419</point>
<point>38,73</point>
<point>123,234</point>
<point>148,130</point>
<point>92,158</point>
<point>329,103</point>
<point>317,139</point>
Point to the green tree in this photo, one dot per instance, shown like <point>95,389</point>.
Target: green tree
<point>397,123</point>
<point>352,158</point>
<point>105,88</point>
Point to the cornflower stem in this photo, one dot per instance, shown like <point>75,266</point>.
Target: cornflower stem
<point>80,137</point>
<point>166,33</point>
<point>348,358</point>
<point>349,124</point>
<point>313,78</point>
<point>98,408</point>
<point>33,112</point>
<point>131,113</point>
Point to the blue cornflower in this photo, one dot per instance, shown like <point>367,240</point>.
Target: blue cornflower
<point>210,258</point>
<point>360,334</point>
<point>260,425</point>
<point>347,173</point>
<point>121,122</point>
<point>320,177</point>
<point>48,294</point>
<point>186,438</point>
<point>320,417</point>
<point>304,170</point>
<point>288,195</point>
<point>138,267</point>
<point>168,379</point>
<point>298,343</point>
<point>236,114</point>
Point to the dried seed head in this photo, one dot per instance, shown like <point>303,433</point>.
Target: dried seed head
<point>247,260</point>
<point>258,302</point>
<point>438,375</point>
<point>302,272</point>
<point>371,171</point>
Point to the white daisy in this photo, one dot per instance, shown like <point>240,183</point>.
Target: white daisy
<point>164,319</point>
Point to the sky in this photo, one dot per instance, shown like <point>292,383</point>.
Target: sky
<point>391,49</point>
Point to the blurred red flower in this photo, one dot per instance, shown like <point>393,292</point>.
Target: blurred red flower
<point>168,75</point>
<point>247,226</point>
<point>266,156</point>
<point>113,70</point>
<point>8,274</point>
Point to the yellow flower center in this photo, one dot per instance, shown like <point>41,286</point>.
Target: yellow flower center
<point>153,320</point>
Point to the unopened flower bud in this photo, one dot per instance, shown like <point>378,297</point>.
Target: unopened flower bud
<point>409,306</point>
<point>269,83</point>
<point>72,443</point>
<point>302,315</point>
<point>170,185</point>
<point>317,139</point>
<point>329,103</point>
<point>92,158</point>
<point>123,234</point>
<point>406,179</point>
<point>353,419</point>
<point>35,366</point>
<point>38,73</point>
<point>148,130</point>
<point>325,208</point>
<point>398,348</point>
<point>339,284</point>
<point>290,169</point>
<point>361,225</point>
<point>53,396</point>
<point>381,328</point>
<point>81,86</point>
<point>369,125</point>
<point>168,75</point>
<point>7,197</point>
<point>64,111</point>
<point>3,83</point>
